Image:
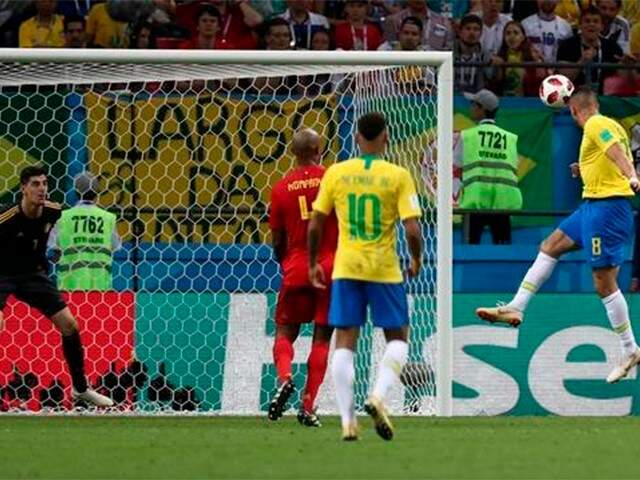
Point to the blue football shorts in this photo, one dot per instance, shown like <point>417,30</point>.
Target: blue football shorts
<point>350,298</point>
<point>601,227</point>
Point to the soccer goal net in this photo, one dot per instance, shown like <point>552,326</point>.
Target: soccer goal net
<point>186,147</point>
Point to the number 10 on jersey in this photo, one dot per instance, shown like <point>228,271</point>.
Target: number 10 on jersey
<point>364,217</point>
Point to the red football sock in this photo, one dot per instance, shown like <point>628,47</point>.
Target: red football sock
<point>283,357</point>
<point>316,368</point>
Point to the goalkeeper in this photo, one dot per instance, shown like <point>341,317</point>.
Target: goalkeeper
<point>24,230</point>
<point>298,301</point>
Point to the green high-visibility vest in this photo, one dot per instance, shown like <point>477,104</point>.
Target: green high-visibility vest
<point>84,238</point>
<point>489,169</point>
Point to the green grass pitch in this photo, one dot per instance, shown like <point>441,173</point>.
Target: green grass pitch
<point>502,447</point>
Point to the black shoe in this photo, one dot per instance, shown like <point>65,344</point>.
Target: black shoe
<point>280,398</point>
<point>308,419</point>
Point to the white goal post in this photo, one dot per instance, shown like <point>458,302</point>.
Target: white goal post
<point>186,145</point>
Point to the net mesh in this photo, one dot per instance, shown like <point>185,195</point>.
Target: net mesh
<point>186,157</point>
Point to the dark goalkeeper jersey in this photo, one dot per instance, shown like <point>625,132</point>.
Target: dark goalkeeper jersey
<point>23,240</point>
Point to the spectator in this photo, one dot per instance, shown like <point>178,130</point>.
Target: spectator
<point>75,35</point>
<point>356,33</point>
<point>207,31</point>
<point>45,29</point>
<point>412,78</point>
<point>587,47</point>
<point>278,35</point>
<point>468,49</point>
<point>142,36</point>
<point>321,40</point>
<point>437,31</point>
<point>489,179</point>
<point>303,22</point>
<point>545,30</point>
<point>103,31</point>
<point>237,21</point>
<point>516,48</point>
<point>84,251</point>
<point>614,27</point>
<point>493,27</point>
<point>409,38</point>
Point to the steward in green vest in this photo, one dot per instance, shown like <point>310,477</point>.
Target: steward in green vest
<point>489,158</point>
<point>85,238</point>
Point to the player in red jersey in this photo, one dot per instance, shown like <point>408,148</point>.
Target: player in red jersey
<point>298,301</point>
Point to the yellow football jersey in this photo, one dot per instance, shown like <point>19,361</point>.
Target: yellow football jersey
<point>32,34</point>
<point>369,195</point>
<point>104,31</point>
<point>600,176</point>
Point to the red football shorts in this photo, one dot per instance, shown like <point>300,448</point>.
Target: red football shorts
<point>303,304</point>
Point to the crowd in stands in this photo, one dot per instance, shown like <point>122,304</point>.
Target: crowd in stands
<point>489,37</point>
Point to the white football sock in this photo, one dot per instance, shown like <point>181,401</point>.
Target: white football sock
<point>344,374</point>
<point>537,274</point>
<point>394,358</point>
<point>618,313</point>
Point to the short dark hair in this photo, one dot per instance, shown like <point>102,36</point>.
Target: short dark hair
<point>590,10</point>
<point>413,21</point>
<point>209,10</point>
<point>371,125</point>
<point>68,19</point>
<point>469,19</point>
<point>324,31</point>
<point>275,22</point>
<point>137,30</point>
<point>31,171</point>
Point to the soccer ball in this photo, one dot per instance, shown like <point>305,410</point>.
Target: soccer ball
<point>555,91</point>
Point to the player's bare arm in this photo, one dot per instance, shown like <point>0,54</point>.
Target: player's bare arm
<point>618,156</point>
<point>279,244</point>
<point>316,224</point>
<point>414,241</point>
<point>575,169</point>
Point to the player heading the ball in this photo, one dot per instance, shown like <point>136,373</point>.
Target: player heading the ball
<point>298,301</point>
<point>601,225</point>
<point>24,232</point>
<point>369,195</point>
